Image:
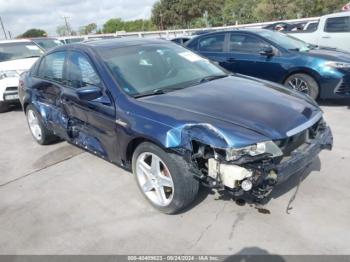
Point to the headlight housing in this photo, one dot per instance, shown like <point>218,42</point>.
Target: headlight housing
<point>267,147</point>
<point>8,73</point>
<point>338,65</point>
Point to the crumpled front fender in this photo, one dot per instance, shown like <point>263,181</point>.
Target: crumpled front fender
<point>202,132</point>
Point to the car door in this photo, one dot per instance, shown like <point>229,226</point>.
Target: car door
<point>92,117</point>
<point>48,87</point>
<point>213,47</point>
<point>245,56</point>
<point>336,33</point>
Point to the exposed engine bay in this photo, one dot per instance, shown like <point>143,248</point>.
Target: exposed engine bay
<point>257,169</point>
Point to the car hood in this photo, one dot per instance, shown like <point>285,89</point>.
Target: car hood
<point>330,54</point>
<point>260,106</point>
<point>18,64</point>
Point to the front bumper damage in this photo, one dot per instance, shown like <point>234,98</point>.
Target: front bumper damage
<point>304,155</point>
<point>256,177</point>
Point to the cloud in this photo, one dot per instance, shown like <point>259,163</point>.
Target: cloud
<point>21,15</point>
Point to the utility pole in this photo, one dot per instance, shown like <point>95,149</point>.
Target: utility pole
<point>205,16</point>
<point>67,24</point>
<point>10,35</point>
<point>3,28</point>
<point>161,21</point>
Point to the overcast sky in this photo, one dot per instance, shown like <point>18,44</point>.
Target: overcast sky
<point>20,15</point>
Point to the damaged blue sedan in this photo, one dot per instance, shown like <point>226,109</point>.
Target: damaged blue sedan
<point>173,118</point>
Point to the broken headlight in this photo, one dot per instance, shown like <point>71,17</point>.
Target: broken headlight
<point>267,147</point>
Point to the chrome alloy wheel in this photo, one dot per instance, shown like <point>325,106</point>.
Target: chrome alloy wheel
<point>34,126</point>
<point>299,85</point>
<point>154,179</point>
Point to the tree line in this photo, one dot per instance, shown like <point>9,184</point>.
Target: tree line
<point>177,14</point>
<point>169,14</point>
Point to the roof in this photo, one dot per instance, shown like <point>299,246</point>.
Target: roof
<point>121,42</point>
<point>111,43</point>
<point>15,41</point>
<point>340,14</point>
<point>43,38</point>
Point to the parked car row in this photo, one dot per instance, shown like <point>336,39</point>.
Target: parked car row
<point>173,118</point>
<point>274,56</point>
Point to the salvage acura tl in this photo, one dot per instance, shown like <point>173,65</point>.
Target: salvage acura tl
<point>173,118</point>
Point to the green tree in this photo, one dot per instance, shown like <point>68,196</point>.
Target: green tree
<point>116,24</point>
<point>88,29</point>
<point>168,14</point>
<point>113,25</point>
<point>241,11</point>
<point>269,10</point>
<point>34,33</point>
<point>310,8</point>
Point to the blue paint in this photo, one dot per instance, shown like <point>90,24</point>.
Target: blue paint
<point>284,63</point>
<point>225,113</point>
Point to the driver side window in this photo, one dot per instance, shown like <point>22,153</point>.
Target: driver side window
<point>81,72</point>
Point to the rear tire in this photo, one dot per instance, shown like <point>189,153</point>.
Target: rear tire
<point>304,84</point>
<point>180,187</point>
<point>40,133</point>
<point>4,107</point>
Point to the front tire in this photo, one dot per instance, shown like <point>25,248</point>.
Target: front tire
<point>37,128</point>
<point>304,84</point>
<point>163,178</point>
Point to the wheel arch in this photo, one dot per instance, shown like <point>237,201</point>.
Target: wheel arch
<point>133,144</point>
<point>25,105</point>
<point>302,70</point>
<point>309,72</point>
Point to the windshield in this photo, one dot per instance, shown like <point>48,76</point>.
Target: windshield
<point>158,68</point>
<point>47,44</point>
<point>285,41</point>
<point>13,51</point>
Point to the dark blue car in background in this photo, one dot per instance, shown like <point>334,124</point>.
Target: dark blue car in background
<point>172,117</point>
<point>274,56</point>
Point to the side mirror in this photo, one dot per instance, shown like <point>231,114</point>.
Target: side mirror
<point>89,93</point>
<point>267,51</point>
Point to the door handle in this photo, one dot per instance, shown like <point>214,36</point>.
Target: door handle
<point>326,36</point>
<point>231,60</point>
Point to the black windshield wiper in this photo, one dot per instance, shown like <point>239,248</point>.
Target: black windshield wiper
<point>170,89</point>
<point>311,46</point>
<point>32,56</point>
<point>150,93</point>
<point>211,78</point>
<point>294,49</point>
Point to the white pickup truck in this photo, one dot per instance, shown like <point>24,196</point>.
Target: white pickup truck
<point>332,31</point>
<point>16,56</point>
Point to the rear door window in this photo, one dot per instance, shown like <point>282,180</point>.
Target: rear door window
<point>241,43</point>
<point>51,67</point>
<point>338,24</point>
<point>212,43</point>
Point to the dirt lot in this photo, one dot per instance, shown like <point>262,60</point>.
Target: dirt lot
<point>60,200</point>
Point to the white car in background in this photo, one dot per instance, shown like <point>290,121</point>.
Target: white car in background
<point>332,31</point>
<point>16,56</point>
